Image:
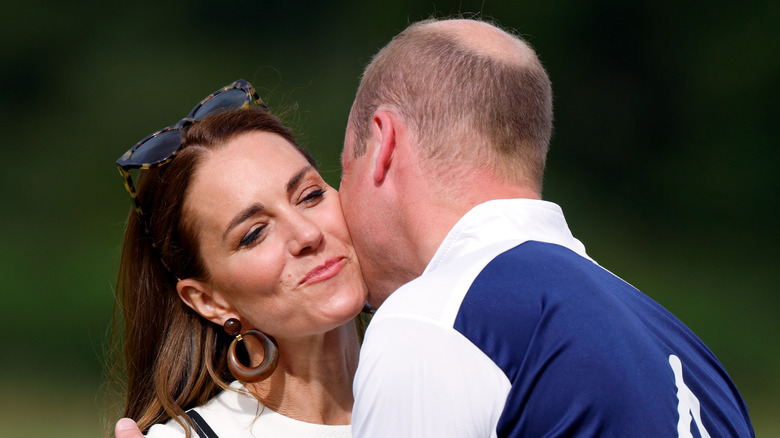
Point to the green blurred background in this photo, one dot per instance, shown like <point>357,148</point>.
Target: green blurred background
<point>664,157</point>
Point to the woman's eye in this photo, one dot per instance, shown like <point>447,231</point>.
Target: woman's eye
<point>313,196</point>
<point>252,236</point>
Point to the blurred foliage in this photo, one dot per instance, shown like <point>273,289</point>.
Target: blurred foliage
<point>663,158</point>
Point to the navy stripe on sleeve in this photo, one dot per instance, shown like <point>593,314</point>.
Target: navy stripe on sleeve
<point>587,353</point>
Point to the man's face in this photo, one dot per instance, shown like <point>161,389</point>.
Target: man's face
<point>353,179</point>
<point>361,208</point>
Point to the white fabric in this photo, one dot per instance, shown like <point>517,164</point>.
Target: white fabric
<point>412,359</point>
<point>513,331</point>
<point>233,414</point>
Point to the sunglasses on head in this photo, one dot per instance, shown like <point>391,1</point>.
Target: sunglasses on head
<point>160,147</point>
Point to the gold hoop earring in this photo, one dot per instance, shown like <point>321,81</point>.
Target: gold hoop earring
<point>270,354</point>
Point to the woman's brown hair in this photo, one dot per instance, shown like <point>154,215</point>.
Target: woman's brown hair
<point>173,358</point>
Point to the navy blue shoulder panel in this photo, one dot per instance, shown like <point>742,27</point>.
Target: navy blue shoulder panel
<point>588,354</point>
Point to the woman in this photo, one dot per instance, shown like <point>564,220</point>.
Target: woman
<point>234,232</point>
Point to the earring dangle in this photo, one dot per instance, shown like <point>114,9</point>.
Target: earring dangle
<point>240,371</point>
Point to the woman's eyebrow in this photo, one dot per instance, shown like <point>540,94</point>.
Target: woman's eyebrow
<point>297,178</point>
<point>257,208</point>
<point>244,215</point>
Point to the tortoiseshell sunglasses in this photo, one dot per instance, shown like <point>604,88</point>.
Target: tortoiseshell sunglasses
<point>159,148</point>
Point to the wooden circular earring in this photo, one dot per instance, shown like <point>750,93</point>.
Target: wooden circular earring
<point>240,371</point>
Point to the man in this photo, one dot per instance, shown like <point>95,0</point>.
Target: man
<point>493,319</point>
<point>499,324</point>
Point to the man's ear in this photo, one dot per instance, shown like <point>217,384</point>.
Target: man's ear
<point>384,126</point>
<point>206,301</point>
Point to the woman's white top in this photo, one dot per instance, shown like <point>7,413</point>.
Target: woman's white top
<point>239,414</point>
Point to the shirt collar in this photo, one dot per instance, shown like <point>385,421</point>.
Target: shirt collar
<point>503,220</point>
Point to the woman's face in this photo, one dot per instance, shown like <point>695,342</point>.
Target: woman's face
<point>273,238</point>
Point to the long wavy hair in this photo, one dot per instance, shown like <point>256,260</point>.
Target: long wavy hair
<point>171,357</point>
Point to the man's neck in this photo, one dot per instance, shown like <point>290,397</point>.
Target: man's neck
<point>441,213</point>
<point>428,216</point>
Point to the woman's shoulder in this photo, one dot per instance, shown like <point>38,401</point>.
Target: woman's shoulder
<point>235,413</point>
<point>226,406</point>
<point>171,429</point>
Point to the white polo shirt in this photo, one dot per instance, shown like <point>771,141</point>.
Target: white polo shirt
<point>513,331</point>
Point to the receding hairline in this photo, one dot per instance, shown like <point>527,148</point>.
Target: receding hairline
<point>482,38</point>
<point>505,111</point>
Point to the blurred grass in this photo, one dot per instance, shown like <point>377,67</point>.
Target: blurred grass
<point>50,409</point>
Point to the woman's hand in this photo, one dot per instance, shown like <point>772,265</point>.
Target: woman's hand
<point>126,428</point>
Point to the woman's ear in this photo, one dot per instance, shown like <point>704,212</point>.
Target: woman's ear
<point>204,300</point>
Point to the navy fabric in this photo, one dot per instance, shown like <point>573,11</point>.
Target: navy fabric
<point>201,426</point>
<point>588,354</point>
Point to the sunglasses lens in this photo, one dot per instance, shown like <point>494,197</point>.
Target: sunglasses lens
<point>157,148</point>
<point>226,100</point>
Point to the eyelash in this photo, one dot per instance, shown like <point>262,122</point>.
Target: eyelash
<point>252,236</point>
<point>312,197</point>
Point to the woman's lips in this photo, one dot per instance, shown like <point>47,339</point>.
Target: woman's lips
<point>327,270</point>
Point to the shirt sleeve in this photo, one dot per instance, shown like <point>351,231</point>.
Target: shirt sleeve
<point>417,378</point>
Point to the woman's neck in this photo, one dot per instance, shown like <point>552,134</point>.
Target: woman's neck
<point>313,381</point>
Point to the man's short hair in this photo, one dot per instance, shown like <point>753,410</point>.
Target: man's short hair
<point>463,104</point>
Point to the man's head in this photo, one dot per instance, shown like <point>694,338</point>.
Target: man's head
<point>472,105</point>
<point>458,79</point>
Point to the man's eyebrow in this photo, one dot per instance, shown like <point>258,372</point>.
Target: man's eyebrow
<point>257,208</point>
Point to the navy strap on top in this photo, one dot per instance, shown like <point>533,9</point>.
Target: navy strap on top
<point>201,427</point>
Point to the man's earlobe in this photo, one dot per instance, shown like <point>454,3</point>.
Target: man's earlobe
<point>384,127</point>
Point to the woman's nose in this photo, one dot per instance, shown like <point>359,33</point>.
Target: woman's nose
<point>306,235</point>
